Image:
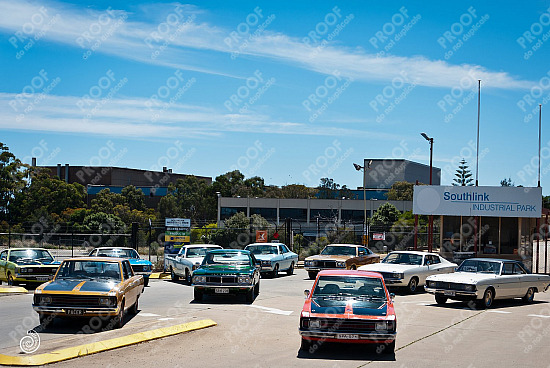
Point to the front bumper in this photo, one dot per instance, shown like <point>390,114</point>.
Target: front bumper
<point>34,278</point>
<point>395,282</point>
<point>318,269</point>
<point>83,312</point>
<point>144,274</point>
<point>232,289</point>
<point>364,337</point>
<point>454,294</point>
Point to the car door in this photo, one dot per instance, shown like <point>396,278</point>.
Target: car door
<point>508,282</point>
<point>130,284</point>
<point>525,280</point>
<point>286,255</point>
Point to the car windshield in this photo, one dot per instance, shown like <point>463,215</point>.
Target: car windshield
<point>197,252</point>
<point>403,258</point>
<point>118,253</point>
<point>478,266</point>
<point>349,286</point>
<point>262,249</point>
<point>83,270</point>
<point>332,250</point>
<point>231,259</point>
<point>30,256</point>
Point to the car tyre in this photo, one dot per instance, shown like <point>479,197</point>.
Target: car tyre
<point>353,267</point>
<point>440,299</point>
<point>487,300</point>
<point>173,275</point>
<point>187,277</point>
<point>44,321</point>
<point>250,295</point>
<point>145,281</point>
<point>290,270</point>
<point>529,296</point>
<point>11,282</point>
<point>135,308</point>
<point>257,288</point>
<point>413,285</point>
<point>312,275</point>
<point>198,295</point>
<point>387,348</point>
<point>119,319</point>
<point>275,271</point>
<point>305,345</point>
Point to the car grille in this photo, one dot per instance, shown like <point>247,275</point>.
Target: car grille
<point>447,285</point>
<point>386,275</point>
<point>222,279</point>
<point>138,268</point>
<point>326,264</point>
<point>343,325</point>
<point>40,271</point>
<point>70,301</point>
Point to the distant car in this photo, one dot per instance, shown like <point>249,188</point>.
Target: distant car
<point>26,266</point>
<point>88,287</point>
<point>349,307</point>
<point>274,257</point>
<point>410,268</point>
<point>187,260</point>
<point>483,280</point>
<point>227,271</point>
<point>343,256</point>
<point>140,266</point>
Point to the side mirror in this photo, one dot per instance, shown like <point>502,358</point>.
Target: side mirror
<point>306,293</point>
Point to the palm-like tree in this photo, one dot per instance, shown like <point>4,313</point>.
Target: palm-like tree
<point>463,175</point>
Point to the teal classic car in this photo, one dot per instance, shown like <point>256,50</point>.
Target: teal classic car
<point>140,266</point>
<point>26,266</point>
<point>227,271</point>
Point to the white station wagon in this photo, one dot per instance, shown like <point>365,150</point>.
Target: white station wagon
<point>410,268</point>
<point>483,280</point>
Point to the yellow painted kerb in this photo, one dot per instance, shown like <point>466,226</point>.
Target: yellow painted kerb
<point>12,289</point>
<point>159,275</point>
<point>96,347</point>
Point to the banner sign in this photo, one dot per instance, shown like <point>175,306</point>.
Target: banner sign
<point>177,233</point>
<point>477,201</point>
<point>177,222</point>
<point>261,236</point>
<point>379,236</point>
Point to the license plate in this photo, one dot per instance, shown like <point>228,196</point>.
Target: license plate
<point>42,278</point>
<point>347,336</point>
<point>221,290</point>
<point>75,312</point>
<point>449,292</point>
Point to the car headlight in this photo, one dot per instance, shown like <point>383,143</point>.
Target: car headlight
<point>308,263</point>
<point>385,326</point>
<point>196,265</point>
<point>470,287</point>
<point>314,324</point>
<point>45,299</point>
<point>341,264</point>
<point>266,263</point>
<point>398,275</point>
<point>199,279</point>
<point>244,279</point>
<point>107,302</point>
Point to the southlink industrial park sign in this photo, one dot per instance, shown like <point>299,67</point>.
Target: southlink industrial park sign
<point>477,201</point>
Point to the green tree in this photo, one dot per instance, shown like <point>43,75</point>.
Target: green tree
<point>229,183</point>
<point>297,191</point>
<point>507,183</point>
<point>327,189</point>
<point>105,201</point>
<point>386,215</point>
<point>12,179</point>
<point>401,191</point>
<point>189,198</point>
<point>134,198</point>
<point>463,175</point>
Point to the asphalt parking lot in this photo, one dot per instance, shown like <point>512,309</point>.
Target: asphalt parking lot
<point>265,333</point>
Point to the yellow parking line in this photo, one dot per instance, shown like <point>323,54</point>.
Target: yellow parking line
<point>12,289</point>
<point>159,275</point>
<point>96,347</point>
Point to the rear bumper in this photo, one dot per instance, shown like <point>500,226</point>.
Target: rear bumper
<point>364,337</point>
<point>86,312</point>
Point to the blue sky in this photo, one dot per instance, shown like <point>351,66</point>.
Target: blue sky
<point>289,91</point>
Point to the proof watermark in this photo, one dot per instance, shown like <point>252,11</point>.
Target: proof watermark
<point>532,39</point>
<point>99,94</point>
<point>249,93</point>
<point>167,94</point>
<point>458,97</point>
<point>247,31</point>
<point>33,94</point>
<point>253,159</point>
<point>42,152</point>
<point>539,93</point>
<point>36,27</point>
<point>393,31</point>
<point>327,163</point>
<point>326,30</point>
<point>392,95</point>
<point>325,94</point>
<point>100,30</point>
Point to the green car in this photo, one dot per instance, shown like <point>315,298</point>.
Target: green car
<point>27,265</point>
<point>225,272</point>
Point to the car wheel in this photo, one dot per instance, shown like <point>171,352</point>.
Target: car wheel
<point>305,345</point>
<point>529,296</point>
<point>413,285</point>
<point>275,272</point>
<point>440,299</point>
<point>173,275</point>
<point>145,281</point>
<point>290,270</point>
<point>353,267</point>
<point>387,348</point>
<point>10,280</point>
<point>119,319</point>
<point>487,300</point>
<point>257,288</point>
<point>197,295</point>
<point>135,308</point>
<point>312,274</point>
<point>44,321</point>
<point>250,295</point>
<point>187,277</point>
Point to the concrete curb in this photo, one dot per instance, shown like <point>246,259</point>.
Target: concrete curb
<point>13,289</point>
<point>96,347</point>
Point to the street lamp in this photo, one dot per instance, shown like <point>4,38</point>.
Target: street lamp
<point>365,230</point>
<point>430,217</point>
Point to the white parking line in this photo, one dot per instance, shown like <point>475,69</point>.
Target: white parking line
<point>497,311</point>
<point>272,310</point>
<point>148,314</point>
<point>537,315</point>
<point>417,302</point>
<point>165,319</point>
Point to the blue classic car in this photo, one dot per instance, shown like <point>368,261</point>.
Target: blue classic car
<point>140,266</point>
<point>274,257</point>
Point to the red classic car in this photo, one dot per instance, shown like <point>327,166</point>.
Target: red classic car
<point>348,306</point>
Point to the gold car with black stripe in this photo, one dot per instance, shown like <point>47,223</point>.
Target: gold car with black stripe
<point>90,287</point>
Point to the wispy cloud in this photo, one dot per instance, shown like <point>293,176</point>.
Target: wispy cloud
<point>196,40</point>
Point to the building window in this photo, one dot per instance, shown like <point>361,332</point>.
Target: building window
<point>508,235</point>
<point>354,215</point>
<point>489,235</point>
<point>227,212</point>
<point>294,213</point>
<point>323,214</point>
<point>451,233</point>
<point>267,213</point>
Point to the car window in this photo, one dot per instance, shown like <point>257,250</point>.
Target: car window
<point>284,248</point>
<point>518,270</point>
<point>508,269</point>
<point>127,270</point>
<point>281,249</point>
<point>4,255</point>
<point>363,251</point>
<point>436,260</point>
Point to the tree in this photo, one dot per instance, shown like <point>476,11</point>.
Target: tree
<point>134,198</point>
<point>229,183</point>
<point>346,192</point>
<point>386,215</point>
<point>106,201</point>
<point>12,179</point>
<point>297,191</point>
<point>463,175</point>
<point>507,183</point>
<point>327,189</point>
<point>189,198</point>
<point>401,191</point>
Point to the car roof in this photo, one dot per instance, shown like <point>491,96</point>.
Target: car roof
<point>417,252</point>
<point>229,251</point>
<point>26,249</point>
<point>492,259</point>
<point>350,273</point>
<point>125,248</point>
<point>96,259</point>
<point>344,245</point>
<point>268,243</point>
<point>201,245</point>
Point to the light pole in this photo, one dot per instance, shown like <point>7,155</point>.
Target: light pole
<point>430,217</point>
<point>365,167</point>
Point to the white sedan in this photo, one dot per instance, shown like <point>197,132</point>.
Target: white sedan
<point>187,260</point>
<point>410,268</point>
<point>482,280</point>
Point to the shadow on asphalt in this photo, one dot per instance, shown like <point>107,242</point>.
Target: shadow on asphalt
<point>70,326</point>
<point>334,351</point>
<point>222,299</point>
